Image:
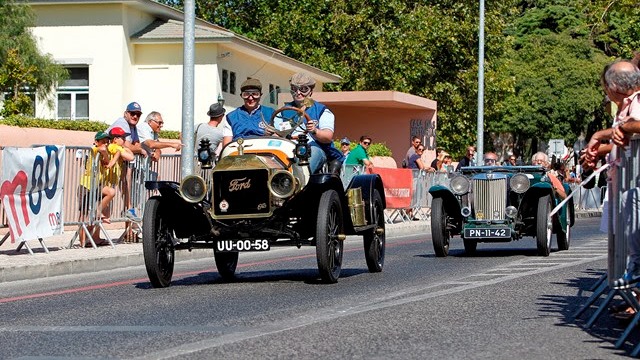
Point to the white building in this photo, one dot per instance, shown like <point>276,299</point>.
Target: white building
<point>131,50</point>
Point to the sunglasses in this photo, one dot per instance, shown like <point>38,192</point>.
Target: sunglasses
<point>489,161</point>
<point>420,150</point>
<point>135,113</point>
<point>366,142</point>
<point>158,122</point>
<point>302,89</point>
<point>248,94</point>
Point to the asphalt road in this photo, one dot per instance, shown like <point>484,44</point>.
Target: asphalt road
<point>503,303</point>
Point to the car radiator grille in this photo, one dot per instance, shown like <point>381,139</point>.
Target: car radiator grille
<point>489,198</point>
<point>241,192</point>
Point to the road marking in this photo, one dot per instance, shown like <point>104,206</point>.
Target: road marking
<point>405,296</point>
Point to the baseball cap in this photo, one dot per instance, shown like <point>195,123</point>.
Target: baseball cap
<point>345,140</point>
<point>101,135</point>
<point>117,131</point>
<point>134,106</point>
<point>215,110</point>
<point>251,84</point>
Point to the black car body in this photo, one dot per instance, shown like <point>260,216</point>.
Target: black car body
<point>260,195</point>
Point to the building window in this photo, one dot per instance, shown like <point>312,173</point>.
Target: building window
<point>272,94</point>
<point>225,80</point>
<point>73,95</point>
<point>232,83</point>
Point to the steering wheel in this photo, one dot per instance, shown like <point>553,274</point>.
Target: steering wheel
<point>295,122</point>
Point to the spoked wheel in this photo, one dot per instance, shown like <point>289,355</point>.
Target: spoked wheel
<point>563,236</point>
<point>226,262</point>
<point>375,239</point>
<point>295,122</point>
<point>544,226</point>
<point>439,233</point>
<point>470,246</point>
<point>157,245</point>
<point>329,226</point>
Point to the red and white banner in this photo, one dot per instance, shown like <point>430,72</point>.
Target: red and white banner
<point>31,191</point>
<point>398,186</point>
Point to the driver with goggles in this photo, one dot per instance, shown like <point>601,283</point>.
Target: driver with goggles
<point>321,126</point>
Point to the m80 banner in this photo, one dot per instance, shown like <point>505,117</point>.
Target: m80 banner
<point>32,191</point>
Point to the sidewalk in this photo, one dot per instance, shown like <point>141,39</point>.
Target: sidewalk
<point>62,260</point>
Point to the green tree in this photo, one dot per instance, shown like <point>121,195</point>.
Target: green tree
<point>424,48</point>
<point>19,52</point>
<point>556,70</point>
<point>15,77</point>
<point>542,57</point>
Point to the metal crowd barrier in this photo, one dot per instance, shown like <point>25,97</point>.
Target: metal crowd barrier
<point>168,168</point>
<point>622,223</point>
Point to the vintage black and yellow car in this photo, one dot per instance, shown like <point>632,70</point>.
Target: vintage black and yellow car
<point>499,204</point>
<point>260,195</point>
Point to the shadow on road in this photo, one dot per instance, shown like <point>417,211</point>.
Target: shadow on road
<point>606,329</point>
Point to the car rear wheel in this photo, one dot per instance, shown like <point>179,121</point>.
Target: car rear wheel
<point>226,262</point>
<point>157,245</point>
<point>439,232</point>
<point>328,246</point>
<point>374,240</point>
<point>564,235</point>
<point>544,226</point>
<point>470,246</point>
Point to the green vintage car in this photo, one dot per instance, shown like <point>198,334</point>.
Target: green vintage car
<point>499,204</point>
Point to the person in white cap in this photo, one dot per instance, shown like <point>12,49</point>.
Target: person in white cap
<point>345,146</point>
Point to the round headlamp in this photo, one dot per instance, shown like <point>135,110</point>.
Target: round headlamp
<point>460,184</point>
<point>282,184</point>
<point>519,183</point>
<point>193,188</point>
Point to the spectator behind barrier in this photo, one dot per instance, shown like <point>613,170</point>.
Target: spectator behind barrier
<point>359,155</point>
<point>415,142</point>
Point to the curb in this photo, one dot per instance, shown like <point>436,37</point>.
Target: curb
<point>136,258</point>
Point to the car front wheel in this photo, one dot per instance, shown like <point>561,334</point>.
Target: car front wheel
<point>439,232</point>
<point>470,246</point>
<point>328,246</point>
<point>544,226</point>
<point>157,245</point>
<point>226,262</point>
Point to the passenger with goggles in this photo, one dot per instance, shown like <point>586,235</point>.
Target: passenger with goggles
<point>320,128</point>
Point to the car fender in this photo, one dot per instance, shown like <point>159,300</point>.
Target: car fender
<point>309,198</point>
<point>529,203</point>
<point>368,183</point>
<point>451,203</point>
<point>184,217</point>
